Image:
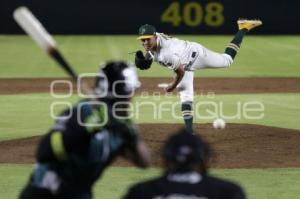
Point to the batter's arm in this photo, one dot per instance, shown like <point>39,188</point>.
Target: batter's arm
<point>140,155</point>
<point>179,73</point>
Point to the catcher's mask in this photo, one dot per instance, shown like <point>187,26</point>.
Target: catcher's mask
<point>183,151</point>
<point>116,81</point>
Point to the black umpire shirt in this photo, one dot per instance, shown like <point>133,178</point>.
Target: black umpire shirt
<point>185,186</point>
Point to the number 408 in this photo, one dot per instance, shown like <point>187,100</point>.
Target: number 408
<point>193,14</point>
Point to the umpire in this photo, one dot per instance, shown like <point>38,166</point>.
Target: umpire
<point>185,157</point>
<point>87,138</point>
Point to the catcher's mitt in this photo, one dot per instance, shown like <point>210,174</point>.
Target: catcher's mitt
<point>141,62</point>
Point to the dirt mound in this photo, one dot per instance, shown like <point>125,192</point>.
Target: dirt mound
<point>150,85</point>
<point>237,146</point>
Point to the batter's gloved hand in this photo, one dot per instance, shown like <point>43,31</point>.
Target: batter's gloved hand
<point>141,62</point>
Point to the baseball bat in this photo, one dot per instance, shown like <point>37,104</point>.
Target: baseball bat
<point>33,27</point>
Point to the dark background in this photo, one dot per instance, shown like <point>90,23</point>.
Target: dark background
<point>125,16</point>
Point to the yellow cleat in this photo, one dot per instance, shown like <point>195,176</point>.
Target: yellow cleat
<point>248,24</point>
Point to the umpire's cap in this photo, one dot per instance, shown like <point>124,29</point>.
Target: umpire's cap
<point>184,150</point>
<point>146,31</point>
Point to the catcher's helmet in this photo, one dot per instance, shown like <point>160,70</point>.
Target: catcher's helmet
<point>184,151</point>
<point>116,80</point>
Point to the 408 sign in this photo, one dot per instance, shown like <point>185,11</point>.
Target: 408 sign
<point>193,14</point>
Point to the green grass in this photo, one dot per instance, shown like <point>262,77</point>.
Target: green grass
<point>279,110</point>
<point>260,56</point>
<point>28,115</point>
<point>265,183</point>
<point>258,183</point>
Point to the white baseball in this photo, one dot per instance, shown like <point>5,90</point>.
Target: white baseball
<point>219,123</point>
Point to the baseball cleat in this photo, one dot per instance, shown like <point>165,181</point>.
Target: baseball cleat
<point>248,24</point>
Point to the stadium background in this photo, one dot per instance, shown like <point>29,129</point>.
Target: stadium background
<point>180,17</point>
<point>262,155</point>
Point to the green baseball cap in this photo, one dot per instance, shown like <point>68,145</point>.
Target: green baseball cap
<point>146,31</point>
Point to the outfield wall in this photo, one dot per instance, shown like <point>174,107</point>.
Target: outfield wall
<point>173,17</point>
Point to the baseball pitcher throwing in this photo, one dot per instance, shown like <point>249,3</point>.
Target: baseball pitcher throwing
<point>183,57</point>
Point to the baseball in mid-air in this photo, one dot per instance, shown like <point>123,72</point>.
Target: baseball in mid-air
<point>219,123</point>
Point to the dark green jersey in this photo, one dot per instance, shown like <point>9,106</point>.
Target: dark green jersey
<point>81,144</point>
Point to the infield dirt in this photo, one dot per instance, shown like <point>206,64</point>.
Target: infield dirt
<point>201,85</point>
<point>237,146</point>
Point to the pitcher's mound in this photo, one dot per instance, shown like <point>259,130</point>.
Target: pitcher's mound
<point>236,146</point>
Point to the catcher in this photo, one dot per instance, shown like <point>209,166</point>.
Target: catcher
<point>183,57</point>
<point>185,157</point>
<point>86,139</point>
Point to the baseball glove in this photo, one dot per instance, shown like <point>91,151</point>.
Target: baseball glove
<point>141,62</point>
